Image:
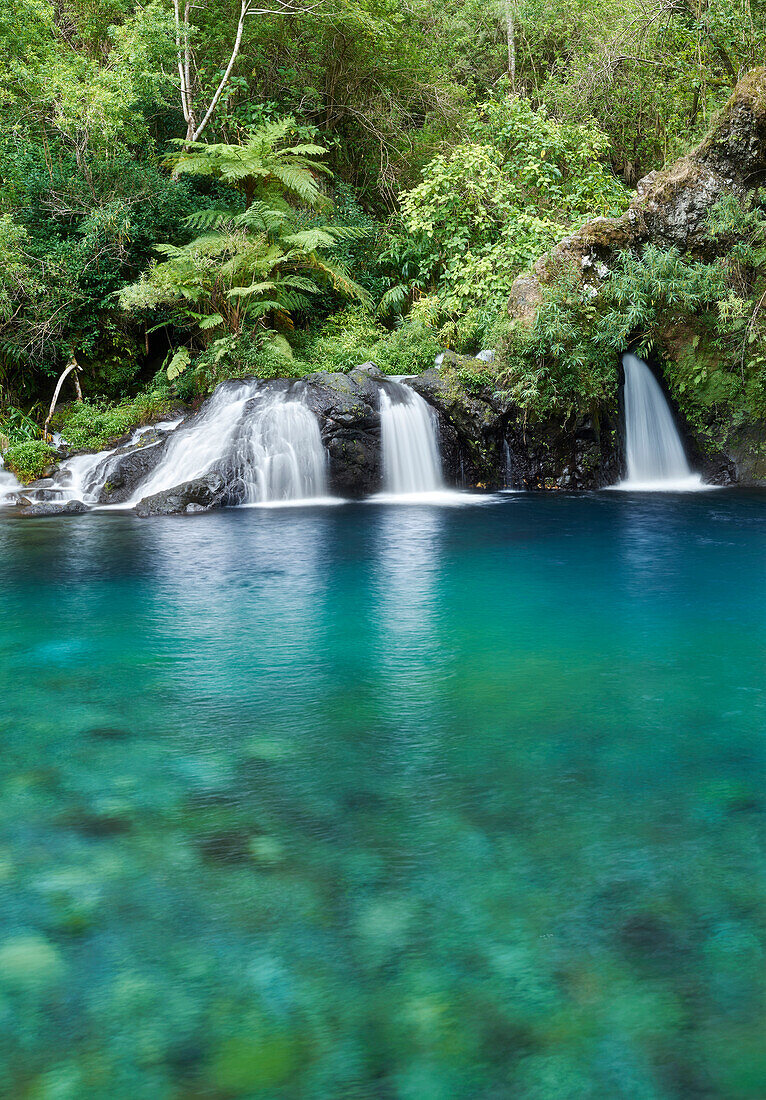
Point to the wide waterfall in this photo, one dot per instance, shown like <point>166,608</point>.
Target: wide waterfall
<point>203,442</point>
<point>654,453</point>
<point>270,448</point>
<point>411,461</point>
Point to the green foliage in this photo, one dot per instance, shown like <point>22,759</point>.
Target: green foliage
<point>17,426</point>
<point>28,460</point>
<point>402,115</point>
<point>485,210</point>
<point>254,267</point>
<point>250,268</point>
<point>97,425</point>
<point>262,167</point>
<point>566,361</point>
<point>704,321</point>
<point>354,336</point>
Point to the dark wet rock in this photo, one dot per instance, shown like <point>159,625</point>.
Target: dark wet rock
<point>487,444</point>
<point>747,449</point>
<point>121,474</point>
<point>50,508</point>
<point>339,399</point>
<point>347,407</point>
<point>200,495</point>
<point>47,494</point>
<point>355,463</point>
<point>577,455</point>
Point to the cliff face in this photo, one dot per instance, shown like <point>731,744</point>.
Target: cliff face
<point>670,207</point>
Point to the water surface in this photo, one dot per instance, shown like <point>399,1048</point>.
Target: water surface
<point>385,802</point>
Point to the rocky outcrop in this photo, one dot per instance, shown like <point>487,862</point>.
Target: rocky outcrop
<point>122,472</point>
<point>487,443</point>
<point>348,409</point>
<point>670,207</point>
<point>200,495</point>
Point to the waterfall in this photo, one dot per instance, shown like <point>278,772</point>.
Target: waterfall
<point>654,452</point>
<point>194,448</point>
<point>411,461</point>
<point>8,484</point>
<point>269,447</point>
<point>508,465</point>
<point>75,480</point>
<point>283,457</point>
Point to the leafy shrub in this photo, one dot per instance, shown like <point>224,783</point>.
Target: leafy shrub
<point>565,362</point>
<point>16,426</point>
<point>28,460</point>
<point>353,336</point>
<point>488,208</point>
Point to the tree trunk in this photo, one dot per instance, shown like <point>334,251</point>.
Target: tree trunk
<point>510,31</point>
<point>72,366</point>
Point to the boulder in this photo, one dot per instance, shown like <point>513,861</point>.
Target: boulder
<point>348,409</point>
<point>49,508</point>
<point>669,207</point>
<point>200,495</point>
<point>121,473</point>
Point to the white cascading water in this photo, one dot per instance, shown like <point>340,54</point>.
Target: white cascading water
<point>8,485</point>
<point>282,456</point>
<point>411,461</point>
<point>654,453</point>
<point>275,449</point>
<point>192,450</point>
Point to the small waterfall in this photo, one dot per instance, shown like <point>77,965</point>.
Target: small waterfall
<point>196,447</point>
<point>283,457</point>
<point>75,479</point>
<point>81,477</point>
<point>411,461</point>
<point>8,485</point>
<point>508,465</point>
<point>654,453</point>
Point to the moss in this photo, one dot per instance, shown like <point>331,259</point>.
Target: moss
<point>28,460</point>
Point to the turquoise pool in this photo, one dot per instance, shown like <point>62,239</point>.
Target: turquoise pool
<point>398,803</point>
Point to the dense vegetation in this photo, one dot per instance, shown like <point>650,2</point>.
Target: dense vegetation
<point>225,189</point>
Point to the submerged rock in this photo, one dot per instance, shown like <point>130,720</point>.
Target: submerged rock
<point>51,508</point>
<point>200,495</point>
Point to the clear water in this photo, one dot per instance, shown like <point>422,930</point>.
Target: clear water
<point>371,802</point>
